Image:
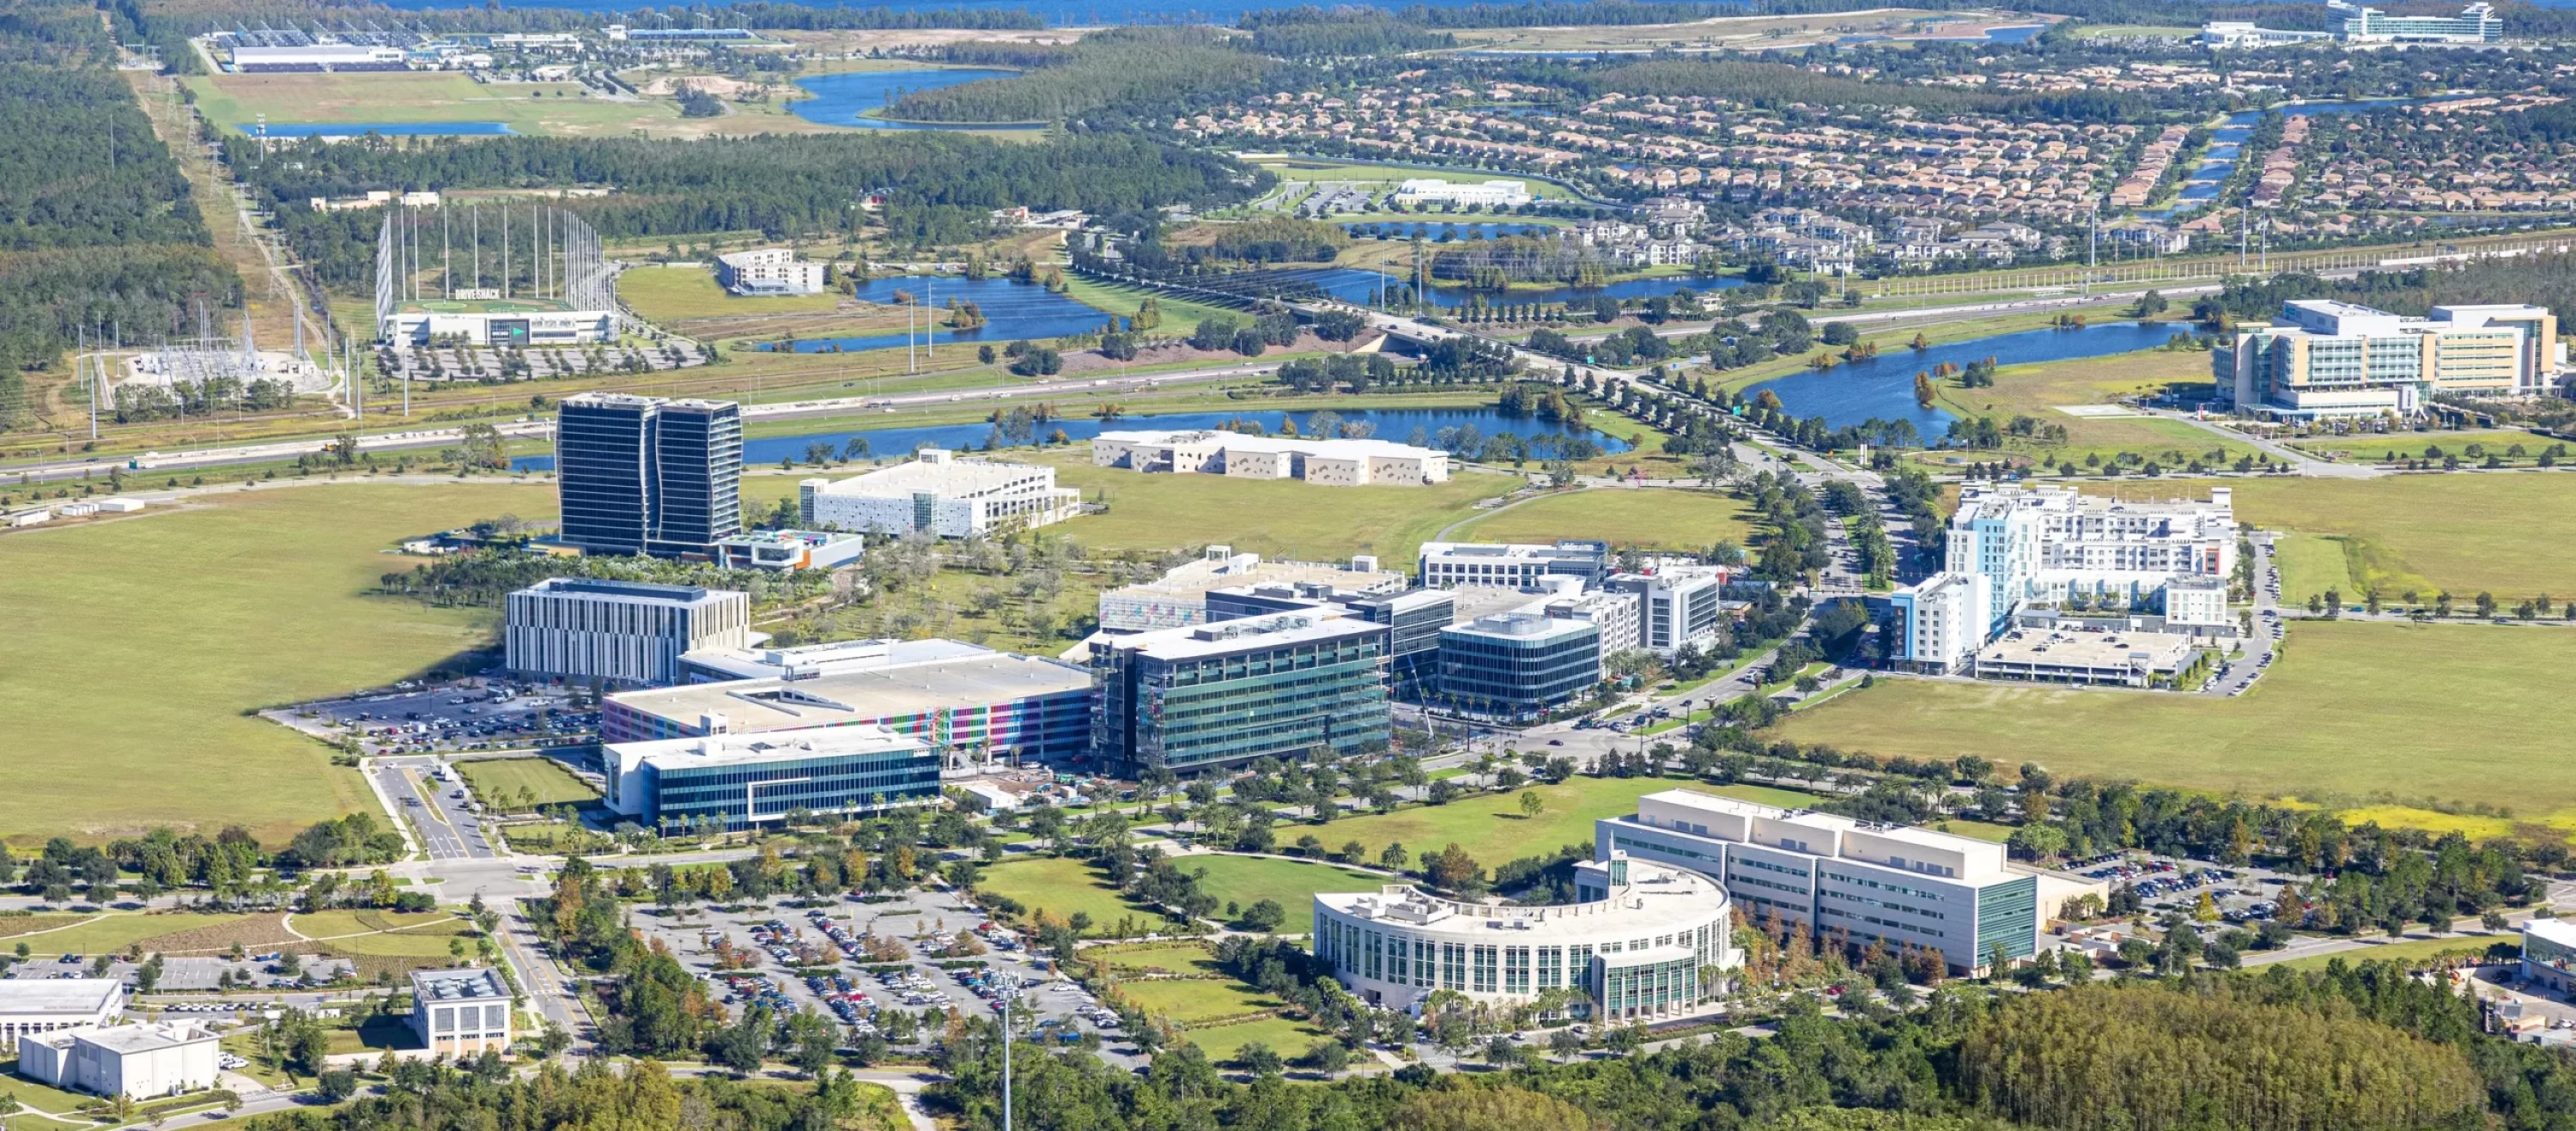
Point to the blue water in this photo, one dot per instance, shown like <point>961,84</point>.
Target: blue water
<point>1012,311</point>
<point>1434,229</point>
<point>382,129</point>
<point>1350,284</point>
<point>2227,146</point>
<point>1883,386</point>
<point>1397,424</point>
<point>847,99</point>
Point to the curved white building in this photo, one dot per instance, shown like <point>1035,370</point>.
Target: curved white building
<point>1641,942</point>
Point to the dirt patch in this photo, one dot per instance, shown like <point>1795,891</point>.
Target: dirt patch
<point>263,931</point>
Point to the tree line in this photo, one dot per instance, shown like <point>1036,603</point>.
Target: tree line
<point>1143,71</point>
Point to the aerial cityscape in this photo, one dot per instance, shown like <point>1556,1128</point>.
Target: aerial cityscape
<point>1574,565</point>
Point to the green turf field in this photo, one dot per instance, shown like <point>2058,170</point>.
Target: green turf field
<point>1290,1039</point>
<point>1198,999</point>
<point>504,782</point>
<point>486,305</point>
<point>1247,880</point>
<point>140,644</point>
<point>1273,518</point>
<point>2464,532</point>
<point>1490,827</point>
<point>668,294</point>
<point>2456,713</point>
<point>1170,958</point>
<point>1648,519</point>
<point>559,108</point>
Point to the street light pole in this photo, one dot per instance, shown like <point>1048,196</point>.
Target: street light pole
<point>1013,992</point>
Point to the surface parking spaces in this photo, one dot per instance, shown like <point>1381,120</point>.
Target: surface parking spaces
<point>463,715</point>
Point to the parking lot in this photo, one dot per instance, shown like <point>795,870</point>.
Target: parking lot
<point>2241,895</point>
<point>470,714</point>
<point>774,957</point>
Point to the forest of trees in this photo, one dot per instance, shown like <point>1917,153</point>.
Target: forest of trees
<point>1148,71</point>
<point>944,186</point>
<point>1778,85</point>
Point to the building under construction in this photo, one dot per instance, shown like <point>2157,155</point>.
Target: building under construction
<point>509,276</point>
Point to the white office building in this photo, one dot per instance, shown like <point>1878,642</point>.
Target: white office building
<point>140,1062</point>
<point>768,271</point>
<point>1180,597</point>
<point>2322,358</point>
<point>1491,194</point>
<point>1642,941</point>
<point>1520,565</point>
<point>1847,881</point>
<point>1329,462</point>
<point>1677,607</point>
<point>814,661</point>
<point>939,494</point>
<point>2549,954</point>
<point>622,632</point>
<point>2093,552</point>
<point>44,1005</point>
<point>1939,623</point>
<point>739,781</point>
<point>460,1012</point>
<point>1614,612</point>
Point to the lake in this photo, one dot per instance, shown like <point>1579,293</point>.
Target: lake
<point>1883,386</point>
<point>1397,424</point>
<point>381,129</point>
<point>1012,311</point>
<point>1350,284</point>
<point>2227,146</point>
<point>847,99</point>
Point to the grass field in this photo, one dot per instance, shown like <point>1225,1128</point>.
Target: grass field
<point>1171,958</point>
<point>670,294</point>
<point>1272,518</point>
<point>544,781</point>
<point>2036,391</point>
<point>36,1096</point>
<point>1247,880</point>
<point>136,646</point>
<point>2461,713</point>
<point>561,108</point>
<point>2411,445</point>
<point>1198,999</point>
<point>2463,532</point>
<point>1288,1038</point>
<point>1061,887</point>
<point>1358,172</point>
<point>116,931</point>
<point>1490,827</point>
<point>331,924</point>
<point>1648,519</point>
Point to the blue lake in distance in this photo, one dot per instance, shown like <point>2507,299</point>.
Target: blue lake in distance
<point>1395,424</point>
<point>1883,386</point>
<point>1011,311</point>
<point>381,129</point>
<point>846,99</point>
<point>2227,146</point>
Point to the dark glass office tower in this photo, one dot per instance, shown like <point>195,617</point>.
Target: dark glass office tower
<point>643,475</point>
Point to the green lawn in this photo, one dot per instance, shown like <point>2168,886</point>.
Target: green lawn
<point>1274,518</point>
<point>503,781</point>
<point>116,931</point>
<point>138,646</point>
<point>332,924</point>
<point>1299,169</point>
<point>1648,519</point>
<point>2463,532</point>
<point>1981,830</point>
<point>1490,826</point>
<point>1197,999</point>
<point>668,294</point>
<point>2412,445</point>
<point>2459,713</point>
<point>1290,1039</point>
<point>1061,887</point>
<point>2036,391</point>
<point>1246,880</point>
<point>35,1095</point>
<point>540,108</point>
<point>1172,958</point>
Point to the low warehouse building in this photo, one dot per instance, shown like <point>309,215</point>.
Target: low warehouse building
<point>136,1061</point>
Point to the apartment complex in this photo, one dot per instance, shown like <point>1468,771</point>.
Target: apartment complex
<point>740,781</point>
<point>939,494</point>
<point>975,705</point>
<point>644,475</point>
<point>1937,625</point>
<point>2476,23</point>
<point>1641,941</point>
<point>1841,878</point>
<point>1445,565</point>
<point>768,271</point>
<point>619,632</point>
<point>462,1012</point>
<point>1215,696</point>
<point>1326,461</point>
<point>1678,607</point>
<point>2323,358</point>
<point>1184,595</point>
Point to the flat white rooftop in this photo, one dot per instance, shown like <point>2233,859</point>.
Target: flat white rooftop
<point>940,476</point>
<point>131,1039</point>
<point>85,996</point>
<point>1279,630</point>
<point>850,696</point>
<point>768,746</point>
<point>1237,441</point>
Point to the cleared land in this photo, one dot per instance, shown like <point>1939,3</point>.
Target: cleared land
<point>2463,713</point>
<point>136,646</point>
<point>1762,32</point>
<point>1267,517</point>
<point>1358,172</point>
<point>506,782</point>
<point>2464,532</point>
<point>1648,519</point>
<point>559,108</point>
